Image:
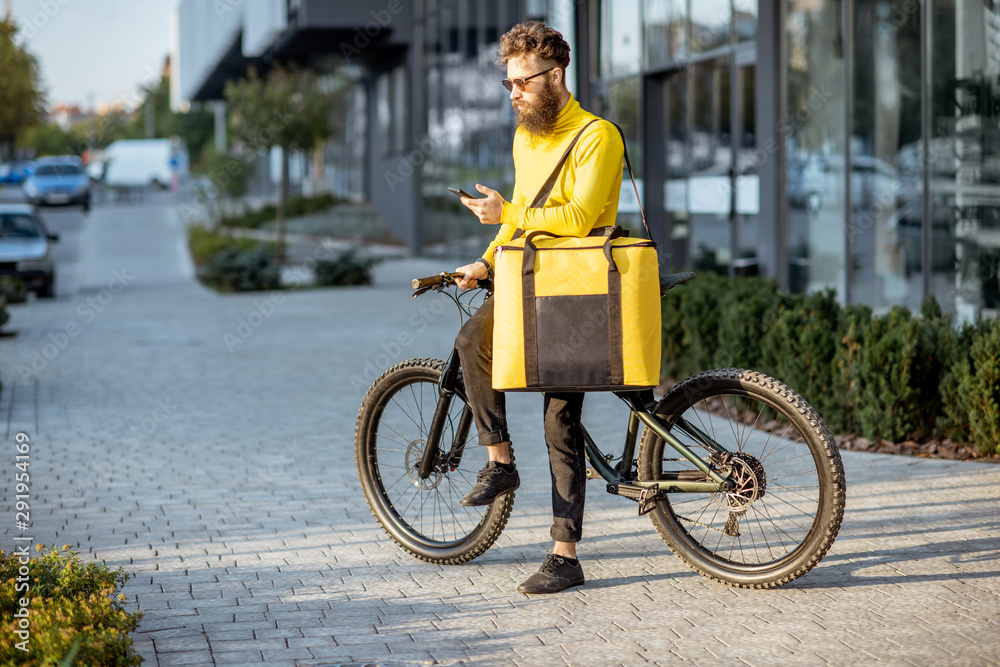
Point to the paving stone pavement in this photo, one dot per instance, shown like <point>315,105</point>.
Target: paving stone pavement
<point>221,474</point>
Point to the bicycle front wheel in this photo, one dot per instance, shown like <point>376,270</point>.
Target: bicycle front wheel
<point>423,515</point>
<point>786,510</point>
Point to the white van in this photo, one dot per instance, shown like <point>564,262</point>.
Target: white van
<point>143,162</point>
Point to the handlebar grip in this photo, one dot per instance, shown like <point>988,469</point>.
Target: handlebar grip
<point>429,281</point>
<point>435,280</point>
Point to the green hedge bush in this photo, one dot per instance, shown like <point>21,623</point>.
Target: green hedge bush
<point>893,376</point>
<point>344,269</point>
<point>76,614</point>
<point>14,289</point>
<point>234,269</point>
<point>295,207</point>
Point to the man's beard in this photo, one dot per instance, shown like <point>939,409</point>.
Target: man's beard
<point>540,117</point>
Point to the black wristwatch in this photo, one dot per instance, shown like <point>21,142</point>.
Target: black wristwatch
<point>489,267</point>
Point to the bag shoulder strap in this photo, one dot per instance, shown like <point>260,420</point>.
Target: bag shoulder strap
<point>628,164</point>
<point>550,182</point>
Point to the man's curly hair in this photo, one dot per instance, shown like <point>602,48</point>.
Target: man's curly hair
<point>537,38</point>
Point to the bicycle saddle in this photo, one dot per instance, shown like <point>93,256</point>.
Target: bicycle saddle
<point>672,280</point>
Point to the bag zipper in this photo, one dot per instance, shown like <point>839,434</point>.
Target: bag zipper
<point>641,244</point>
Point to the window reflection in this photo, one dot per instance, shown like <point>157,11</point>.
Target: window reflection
<point>886,182</point>
<point>621,37</point>
<point>665,31</point>
<point>711,24</point>
<point>710,158</point>
<point>814,132</point>
<point>965,158</point>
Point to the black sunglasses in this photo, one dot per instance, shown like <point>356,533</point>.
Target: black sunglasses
<point>510,83</point>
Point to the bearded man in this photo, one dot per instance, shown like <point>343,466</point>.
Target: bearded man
<point>584,196</point>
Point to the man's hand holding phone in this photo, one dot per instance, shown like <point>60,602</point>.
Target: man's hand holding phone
<point>487,208</point>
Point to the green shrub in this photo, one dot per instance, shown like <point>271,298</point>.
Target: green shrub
<point>345,269</point>
<point>4,315</point>
<point>953,420</point>
<point>73,608</point>
<point>204,243</point>
<point>855,323</point>
<point>13,289</point>
<point>800,344</point>
<point>979,387</point>
<point>227,174</point>
<point>746,312</point>
<point>236,270</point>
<point>295,207</point>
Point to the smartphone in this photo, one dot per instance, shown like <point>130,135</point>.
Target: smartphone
<point>458,192</point>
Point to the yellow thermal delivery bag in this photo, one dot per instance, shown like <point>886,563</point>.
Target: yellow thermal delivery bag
<point>576,314</point>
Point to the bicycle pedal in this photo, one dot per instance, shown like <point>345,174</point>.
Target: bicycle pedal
<point>647,499</point>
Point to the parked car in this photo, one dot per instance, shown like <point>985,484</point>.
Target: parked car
<point>58,180</point>
<point>26,248</point>
<point>14,173</point>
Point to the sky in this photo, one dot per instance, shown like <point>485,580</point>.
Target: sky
<point>95,51</point>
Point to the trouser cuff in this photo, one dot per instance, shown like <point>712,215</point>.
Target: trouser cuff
<point>493,437</point>
<point>560,534</point>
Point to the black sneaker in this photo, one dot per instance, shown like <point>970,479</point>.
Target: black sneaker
<point>491,483</point>
<point>556,574</point>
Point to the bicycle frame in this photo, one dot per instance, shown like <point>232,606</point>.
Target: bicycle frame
<point>449,387</point>
<point>621,482</point>
<point>672,484</point>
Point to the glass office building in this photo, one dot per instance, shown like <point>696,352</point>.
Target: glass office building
<point>852,145</point>
<point>844,144</point>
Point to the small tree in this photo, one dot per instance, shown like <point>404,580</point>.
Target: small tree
<point>288,108</point>
<point>21,97</point>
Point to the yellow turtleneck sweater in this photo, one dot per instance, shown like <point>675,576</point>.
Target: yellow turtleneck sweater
<point>585,194</point>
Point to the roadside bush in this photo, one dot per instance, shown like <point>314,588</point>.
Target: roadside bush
<point>799,345</point>
<point>204,243</point>
<point>4,315</point>
<point>894,376</point>
<point>234,269</point>
<point>746,310</point>
<point>76,614</point>
<point>295,207</point>
<point>13,289</point>
<point>979,387</point>
<point>345,269</point>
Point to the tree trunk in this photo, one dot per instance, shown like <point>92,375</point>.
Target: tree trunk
<point>279,248</point>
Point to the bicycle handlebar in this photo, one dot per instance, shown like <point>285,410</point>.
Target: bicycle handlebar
<point>443,279</point>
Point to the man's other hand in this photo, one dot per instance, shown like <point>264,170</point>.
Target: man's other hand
<point>487,208</point>
<point>473,274</point>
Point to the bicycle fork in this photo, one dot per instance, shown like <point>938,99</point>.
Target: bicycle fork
<point>449,387</point>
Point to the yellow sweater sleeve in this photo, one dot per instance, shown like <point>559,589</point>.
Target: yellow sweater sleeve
<point>596,164</point>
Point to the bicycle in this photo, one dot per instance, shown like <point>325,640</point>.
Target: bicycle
<point>726,490</point>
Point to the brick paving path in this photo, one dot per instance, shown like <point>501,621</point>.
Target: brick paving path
<point>221,474</point>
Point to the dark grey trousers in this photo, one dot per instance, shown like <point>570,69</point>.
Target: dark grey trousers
<point>563,432</point>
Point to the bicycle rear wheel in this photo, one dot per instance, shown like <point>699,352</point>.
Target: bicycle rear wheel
<point>423,516</point>
<point>789,502</point>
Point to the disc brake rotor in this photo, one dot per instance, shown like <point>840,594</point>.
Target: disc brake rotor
<point>751,480</point>
<point>414,455</point>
